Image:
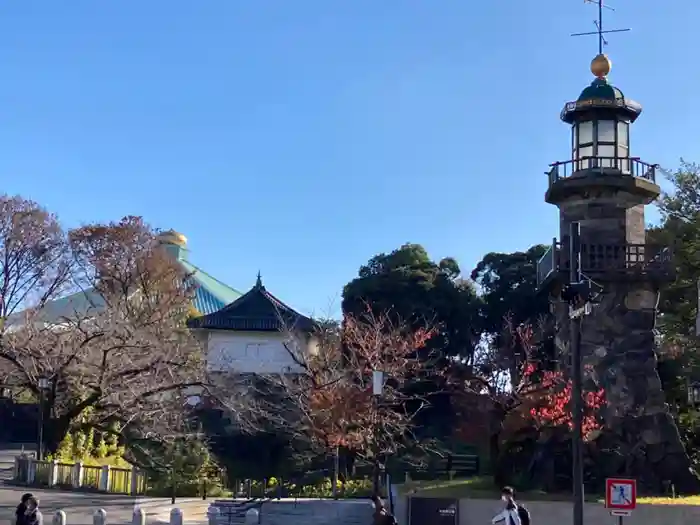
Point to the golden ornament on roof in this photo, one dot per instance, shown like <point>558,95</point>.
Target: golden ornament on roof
<point>172,237</point>
<point>600,66</point>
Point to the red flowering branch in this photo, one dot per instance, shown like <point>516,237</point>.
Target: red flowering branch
<point>553,400</point>
<point>508,388</point>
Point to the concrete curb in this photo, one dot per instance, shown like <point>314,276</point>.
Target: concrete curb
<point>165,502</point>
<point>193,510</point>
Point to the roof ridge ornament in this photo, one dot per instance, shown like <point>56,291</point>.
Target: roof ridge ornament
<point>171,237</point>
<point>258,282</point>
<point>600,66</point>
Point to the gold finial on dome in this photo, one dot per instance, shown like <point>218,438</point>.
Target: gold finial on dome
<point>600,66</point>
<point>172,237</point>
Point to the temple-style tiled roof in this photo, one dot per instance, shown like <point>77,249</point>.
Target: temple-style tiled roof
<point>257,310</point>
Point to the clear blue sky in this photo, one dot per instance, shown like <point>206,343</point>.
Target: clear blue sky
<point>302,137</point>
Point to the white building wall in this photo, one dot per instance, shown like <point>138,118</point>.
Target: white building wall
<point>254,352</point>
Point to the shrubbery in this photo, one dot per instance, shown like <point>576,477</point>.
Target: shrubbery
<point>322,488</point>
<point>91,449</point>
<point>185,468</point>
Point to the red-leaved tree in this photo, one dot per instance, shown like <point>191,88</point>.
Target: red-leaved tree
<point>497,399</point>
<point>552,402</point>
<point>326,399</point>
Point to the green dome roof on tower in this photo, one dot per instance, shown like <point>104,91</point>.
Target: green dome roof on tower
<point>601,97</point>
<point>601,89</point>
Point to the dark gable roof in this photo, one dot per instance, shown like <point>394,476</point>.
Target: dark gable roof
<point>257,310</point>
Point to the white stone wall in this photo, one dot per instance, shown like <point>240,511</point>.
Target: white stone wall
<point>255,352</point>
<point>480,512</point>
<point>302,512</point>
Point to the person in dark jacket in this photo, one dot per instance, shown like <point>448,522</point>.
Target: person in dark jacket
<point>514,513</point>
<point>381,515</point>
<point>33,515</point>
<point>21,512</point>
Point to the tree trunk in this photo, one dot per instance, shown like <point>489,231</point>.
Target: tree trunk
<point>55,429</point>
<point>173,487</point>
<point>494,455</point>
<point>497,419</point>
<point>376,478</point>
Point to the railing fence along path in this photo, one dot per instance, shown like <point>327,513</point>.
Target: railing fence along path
<point>30,471</point>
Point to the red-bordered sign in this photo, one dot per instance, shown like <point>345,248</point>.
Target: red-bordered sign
<point>620,494</point>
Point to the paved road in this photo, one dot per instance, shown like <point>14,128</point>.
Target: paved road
<point>80,506</point>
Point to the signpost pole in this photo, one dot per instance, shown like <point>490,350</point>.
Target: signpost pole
<point>577,380</point>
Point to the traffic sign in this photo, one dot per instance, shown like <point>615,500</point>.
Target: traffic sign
<point>621,513</point>
<point>620,494</point>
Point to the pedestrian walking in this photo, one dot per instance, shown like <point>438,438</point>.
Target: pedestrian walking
<point>513,513</point>
<point>382,516</point>
<point>33,515</point>
<point>21,512</point>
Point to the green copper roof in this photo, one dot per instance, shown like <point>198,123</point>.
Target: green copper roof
<point>600,96</point>
<point>601,89</point>
<point>211,294</point>
<point>78,304</point>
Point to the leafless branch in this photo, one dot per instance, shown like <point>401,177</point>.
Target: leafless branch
<point>117,350</point>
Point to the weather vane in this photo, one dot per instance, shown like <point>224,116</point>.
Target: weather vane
<point>599,25</point>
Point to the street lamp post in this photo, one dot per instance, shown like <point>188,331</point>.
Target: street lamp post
<point>579,293</point>
<point>377,391</point>
<point>43,384</point>
<point>577,390</point>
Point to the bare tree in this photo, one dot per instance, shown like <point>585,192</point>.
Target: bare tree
<point>117,354</point>
<point>34,267</point>
<point>326,398</point>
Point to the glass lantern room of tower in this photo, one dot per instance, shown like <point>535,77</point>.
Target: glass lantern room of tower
<point>601,142</point>
<point>600,123</point>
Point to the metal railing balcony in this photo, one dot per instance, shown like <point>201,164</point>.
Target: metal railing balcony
<point>603,165</point>
<point>547,264</point>
<point>608,259</point>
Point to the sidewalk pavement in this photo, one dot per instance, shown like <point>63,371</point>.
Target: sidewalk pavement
<point>194,510</point>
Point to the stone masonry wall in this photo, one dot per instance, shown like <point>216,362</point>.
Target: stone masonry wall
<point>640,438</point>
<point>302,512</point>
<point>603,220</point>
<point>619,353</point>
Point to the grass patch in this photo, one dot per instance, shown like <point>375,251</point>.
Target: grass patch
<point>681,500</point>
<point>483,488</point>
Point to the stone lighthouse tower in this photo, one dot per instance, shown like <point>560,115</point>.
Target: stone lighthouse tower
<point>604,188</point>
